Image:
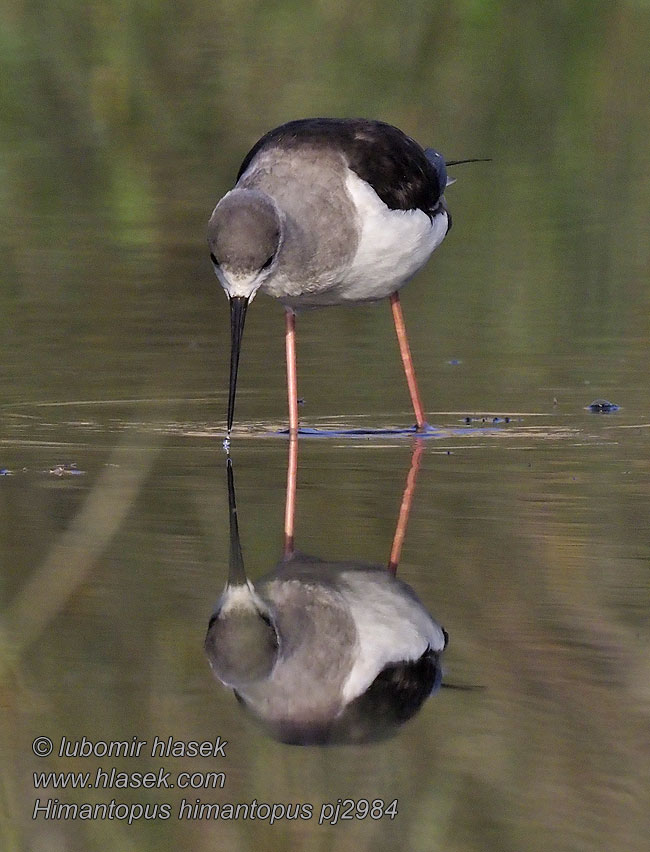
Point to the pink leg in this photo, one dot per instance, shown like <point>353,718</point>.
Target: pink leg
<point>292,380</point>
<point>405,508</point>
<point>405,352</point>
<point>290,502</point>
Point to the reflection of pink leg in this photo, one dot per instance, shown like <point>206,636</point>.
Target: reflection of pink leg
<point>405,352</point>
<point>405,508</point>
<point>290,503</point>
<point>292,380</point>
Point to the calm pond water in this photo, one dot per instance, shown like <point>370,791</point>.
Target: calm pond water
<point>528,537</point>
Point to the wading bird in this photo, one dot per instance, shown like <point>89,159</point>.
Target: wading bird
<point>328,211</point>
<point>319,651</point>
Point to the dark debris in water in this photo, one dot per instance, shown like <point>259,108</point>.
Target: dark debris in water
<point>66,470</point>
<point>489,419</point>
<point>602,406</point>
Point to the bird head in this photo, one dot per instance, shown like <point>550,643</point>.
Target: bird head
<point>244,237</point>
<point>242,641</point>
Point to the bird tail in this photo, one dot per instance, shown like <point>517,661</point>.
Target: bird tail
<point>471,160</point>
<point>459,162</point>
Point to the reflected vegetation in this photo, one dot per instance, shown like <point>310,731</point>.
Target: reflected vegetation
<point>324,652</point>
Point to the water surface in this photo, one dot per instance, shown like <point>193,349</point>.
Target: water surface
<point>528,536</point>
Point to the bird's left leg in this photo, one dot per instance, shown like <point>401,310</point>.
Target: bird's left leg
<point>407,361</point>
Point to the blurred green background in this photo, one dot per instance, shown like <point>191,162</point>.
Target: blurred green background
<point>121,125</point>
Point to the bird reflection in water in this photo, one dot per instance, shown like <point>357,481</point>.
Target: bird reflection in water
<point>324,652</point>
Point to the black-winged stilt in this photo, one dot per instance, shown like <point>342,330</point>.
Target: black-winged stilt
<point>322,652</point>
<point>328,211</point>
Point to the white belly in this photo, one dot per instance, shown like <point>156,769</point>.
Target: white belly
<point>393,246</point>
<point>392,626</point>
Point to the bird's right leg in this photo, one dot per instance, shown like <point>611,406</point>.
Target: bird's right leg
<point>290,501</point>
<point>292,377</point>
<point>405,508</point>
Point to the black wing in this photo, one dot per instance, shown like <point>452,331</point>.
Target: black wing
<point>392,163</point>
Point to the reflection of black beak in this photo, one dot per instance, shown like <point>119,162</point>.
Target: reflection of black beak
<point>238,305</point>
<point>236,571</point>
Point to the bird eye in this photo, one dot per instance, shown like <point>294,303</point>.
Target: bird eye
<point>214,259</point>
<point>268,262</point>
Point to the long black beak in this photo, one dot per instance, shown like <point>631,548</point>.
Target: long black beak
<point>238,306</point>
<point>236,570</point>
